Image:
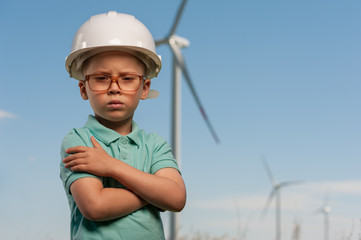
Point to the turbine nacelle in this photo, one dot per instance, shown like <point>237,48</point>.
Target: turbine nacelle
<point>326,209</point>
<point>180,42</point>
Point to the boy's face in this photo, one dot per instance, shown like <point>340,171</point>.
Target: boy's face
<point>114,105</point>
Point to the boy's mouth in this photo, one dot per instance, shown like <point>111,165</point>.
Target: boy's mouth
<point>115,104</point>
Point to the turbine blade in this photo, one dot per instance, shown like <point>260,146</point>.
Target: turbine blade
<point>161,41</point>
<point>180,61</point>
<point>288,183</point>
<point>176,21</point>
<point>268,202</point>
<point>269,172</point>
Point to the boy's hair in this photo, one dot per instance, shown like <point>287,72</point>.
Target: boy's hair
<point>113,31</point>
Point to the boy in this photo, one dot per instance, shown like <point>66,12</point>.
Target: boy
<point>117,177</point>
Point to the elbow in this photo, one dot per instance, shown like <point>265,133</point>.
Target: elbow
<point>92,216</point>
<point>179,204</point>
<point>177,208</point>
<point>92,212</point>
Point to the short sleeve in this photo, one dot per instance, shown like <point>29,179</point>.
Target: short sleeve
<point>162,156</point>
<point>66,175</point>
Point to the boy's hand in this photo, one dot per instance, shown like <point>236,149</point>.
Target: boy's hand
<point>93,160</point>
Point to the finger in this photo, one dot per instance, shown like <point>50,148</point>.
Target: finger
<point>76,162</point>
<point>95,142</point>
<point>76,149</point>
<point>78,168</point>
<point>73,157</point>
<point>72,164</point>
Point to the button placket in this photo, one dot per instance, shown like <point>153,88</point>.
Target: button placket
<point>123,147</point>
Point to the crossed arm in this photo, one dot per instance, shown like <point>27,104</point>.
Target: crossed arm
<point>165,189</point>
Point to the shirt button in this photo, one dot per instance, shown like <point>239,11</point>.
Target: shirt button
<point>124,155</point>
<point>124,141</point>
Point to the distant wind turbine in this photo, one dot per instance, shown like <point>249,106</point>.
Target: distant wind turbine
<point>275,192</point>
<point>296,230</point>
<point>176,43</point>
<point>325,211</point>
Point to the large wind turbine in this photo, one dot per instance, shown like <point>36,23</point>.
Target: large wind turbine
<point>176,43</point>
<point>275,192</point>
<point>325,210</point>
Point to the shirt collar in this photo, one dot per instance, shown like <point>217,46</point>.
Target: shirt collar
<point>107,135</point>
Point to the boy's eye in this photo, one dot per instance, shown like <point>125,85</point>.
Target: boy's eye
<point>129,78</point>
<point>101,78</point>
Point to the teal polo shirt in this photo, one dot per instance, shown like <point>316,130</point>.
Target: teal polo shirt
<point>146,152</point>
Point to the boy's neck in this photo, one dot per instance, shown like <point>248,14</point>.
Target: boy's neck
<point>122,127</point>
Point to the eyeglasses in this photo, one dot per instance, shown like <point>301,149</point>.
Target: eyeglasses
<point>102,82</point>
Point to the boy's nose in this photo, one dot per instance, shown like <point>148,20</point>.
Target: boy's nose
<point>114,88</point>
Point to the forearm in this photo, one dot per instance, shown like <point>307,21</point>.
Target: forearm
<point>164,190</point>
<point>100,204</point>
<point>115,203</point>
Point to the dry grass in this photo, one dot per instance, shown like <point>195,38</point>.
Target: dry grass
<point>206,236</point>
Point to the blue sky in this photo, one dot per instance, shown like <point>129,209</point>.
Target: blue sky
<point>277,78</point>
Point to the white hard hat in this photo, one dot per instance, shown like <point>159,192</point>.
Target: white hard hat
<point>113,31</point>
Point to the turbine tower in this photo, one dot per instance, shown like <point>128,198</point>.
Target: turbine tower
<point>176,43</point>
<point>325,210</point>
<point>275,192</point>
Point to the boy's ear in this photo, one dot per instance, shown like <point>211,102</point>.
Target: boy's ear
<point>82,89</point>
<point>145,89</point>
